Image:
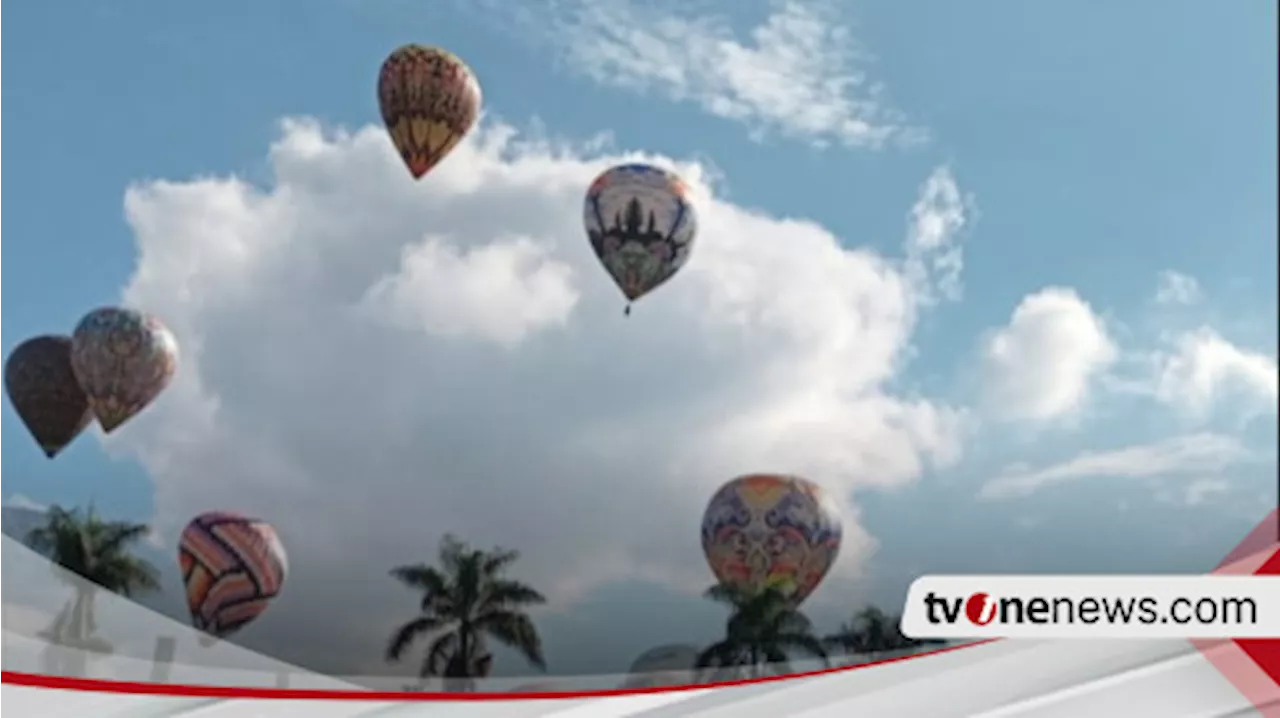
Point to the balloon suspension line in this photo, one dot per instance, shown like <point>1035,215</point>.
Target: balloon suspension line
<point>627,312</point>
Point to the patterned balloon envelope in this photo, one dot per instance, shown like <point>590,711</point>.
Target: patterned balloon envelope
<point>45,393</point>
<point>233,566</point>
<point>770,530</point>
<point>123,359</point>
<point>429,100</point>
<point>641,225</point>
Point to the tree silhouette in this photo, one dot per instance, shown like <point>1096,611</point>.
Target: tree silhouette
<point>872,632</point>
<point>99,552</point>
<point>764,629</point>
<point>465,601</point>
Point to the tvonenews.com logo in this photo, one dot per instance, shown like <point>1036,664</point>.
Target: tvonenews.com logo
<point>983,609</point>
<point>1103,607</point>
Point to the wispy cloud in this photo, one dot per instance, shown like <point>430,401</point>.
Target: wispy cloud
<point>1176,288</point>
<point>796,74</point>
<point>1197,491</point>
<point>1194,455</point>
<point>935,259</point>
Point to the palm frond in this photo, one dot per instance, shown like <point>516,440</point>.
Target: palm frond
<point>452,552</point>
<point>516,631</point>
<point>726,652</point>
<point>726,594</point>
<point>502,594</point>
<point>118,535</point>
<point>790,621</point>
<point>419,576</point>
<point>806,642</point>
<point>439,655</point>
<point>497,560</point>
<point>408,633</point>
<point>126,574</point>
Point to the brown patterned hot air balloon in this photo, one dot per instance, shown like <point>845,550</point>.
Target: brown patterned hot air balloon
<point>123,360</point>
<point>45,393</point>
<point>429,100</point>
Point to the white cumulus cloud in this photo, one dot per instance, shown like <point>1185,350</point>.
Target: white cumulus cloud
<point>369,362</point>
<point>1042,364</point>
<point>502,291</point>
<point>797,73</point>
<point>1203,370</point>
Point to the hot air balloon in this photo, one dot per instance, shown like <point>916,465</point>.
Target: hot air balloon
<point>641,225</point>
<point>429,100</point>
<point>766,530</point>
<point>233,566</point>
<point>45,393</point>
<point>123,359</point>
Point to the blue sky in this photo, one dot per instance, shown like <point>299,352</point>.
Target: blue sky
<point>1093,148</point>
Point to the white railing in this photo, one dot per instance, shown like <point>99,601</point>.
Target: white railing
<point>133,643</point>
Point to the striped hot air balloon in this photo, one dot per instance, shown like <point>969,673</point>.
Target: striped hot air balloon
<point>233,566</point>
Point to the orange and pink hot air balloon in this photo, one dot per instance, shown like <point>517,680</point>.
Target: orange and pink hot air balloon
<point>765,530</point>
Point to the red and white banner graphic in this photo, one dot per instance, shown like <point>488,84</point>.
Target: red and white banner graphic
<point>1238,675</point>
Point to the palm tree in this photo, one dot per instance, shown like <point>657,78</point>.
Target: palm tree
<point>872,632</point>
<point>764,627</point>
<point>465,601</point>
<point>97,551</point>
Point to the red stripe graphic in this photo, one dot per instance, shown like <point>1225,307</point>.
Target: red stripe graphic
<point>36,680</point>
